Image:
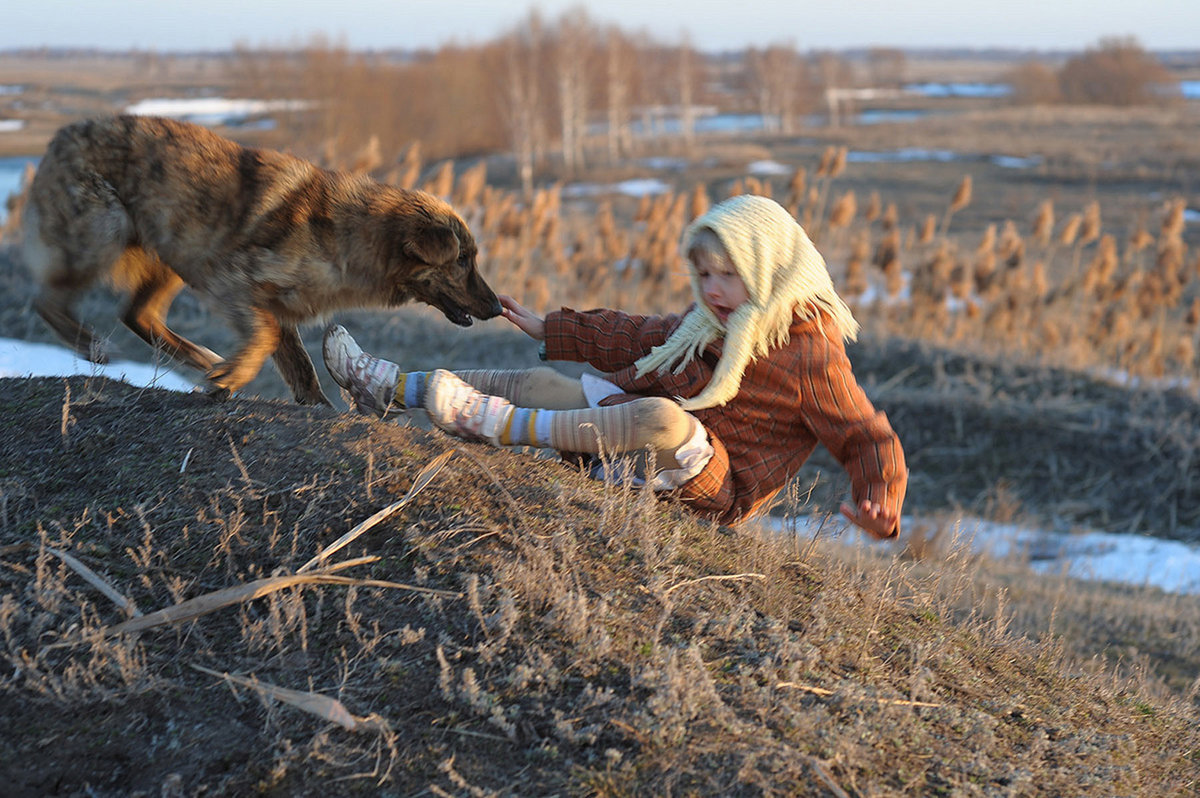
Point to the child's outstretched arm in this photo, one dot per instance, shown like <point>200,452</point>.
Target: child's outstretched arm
<point>839,413</point>
<point>530,323</point>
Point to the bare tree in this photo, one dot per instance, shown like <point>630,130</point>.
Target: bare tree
<point>1116,72</point>
<point>572,53</point>
<point>619,91</point>
<point>776,76</point>
<point>886,66</point>
<point>832,72</point>
<point>687,93</point>
<point>523,56</point>
<point>1034,83</point>
<point>658,67</point>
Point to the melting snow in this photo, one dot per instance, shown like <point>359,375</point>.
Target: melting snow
<point>25,359</point>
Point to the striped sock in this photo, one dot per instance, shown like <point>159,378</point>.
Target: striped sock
<point>617,429</point>
<point>410,389</point>
<point>528,426</point>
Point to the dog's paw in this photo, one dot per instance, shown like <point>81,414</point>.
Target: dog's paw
<point>220,371</point>
<point>219,382</point>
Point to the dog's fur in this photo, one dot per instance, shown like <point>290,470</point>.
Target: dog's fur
<point>272,241</point>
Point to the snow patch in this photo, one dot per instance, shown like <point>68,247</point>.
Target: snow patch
<point>25,359</point>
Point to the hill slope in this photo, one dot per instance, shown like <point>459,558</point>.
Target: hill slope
<point>527,632</point>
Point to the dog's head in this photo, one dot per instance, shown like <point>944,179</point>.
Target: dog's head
<point>436,263</point>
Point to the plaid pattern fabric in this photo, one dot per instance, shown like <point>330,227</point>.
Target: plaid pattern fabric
<point>797,396</point>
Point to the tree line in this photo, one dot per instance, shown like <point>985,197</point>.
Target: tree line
<point>571,93</point>
<point>567,91</point>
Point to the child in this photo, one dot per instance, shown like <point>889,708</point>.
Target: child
<point>731,397</point>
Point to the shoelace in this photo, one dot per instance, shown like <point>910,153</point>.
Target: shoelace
<point>470,418</point>
<point>359,375</point>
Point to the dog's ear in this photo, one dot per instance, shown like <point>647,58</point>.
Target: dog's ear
<point>435,244</point>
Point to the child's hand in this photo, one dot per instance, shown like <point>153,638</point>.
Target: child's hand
<point>530,323</point>
<point>871,517</point>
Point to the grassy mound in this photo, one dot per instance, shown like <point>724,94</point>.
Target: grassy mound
<point>516,629</point>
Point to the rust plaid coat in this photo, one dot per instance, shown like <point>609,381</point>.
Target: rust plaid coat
<point>795,397</point>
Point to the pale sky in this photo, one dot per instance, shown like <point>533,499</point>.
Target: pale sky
<point>172,25</point>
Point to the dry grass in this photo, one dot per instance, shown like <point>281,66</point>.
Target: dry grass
<point>556,636</point>
<point>1074,296</point>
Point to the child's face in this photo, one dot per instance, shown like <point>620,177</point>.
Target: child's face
<point>720,285</point>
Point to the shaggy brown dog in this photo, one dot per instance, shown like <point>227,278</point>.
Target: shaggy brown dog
<point>270,240</point>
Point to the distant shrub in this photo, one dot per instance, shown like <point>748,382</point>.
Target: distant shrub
<point>1035,83</point>
<point>1116,72</point>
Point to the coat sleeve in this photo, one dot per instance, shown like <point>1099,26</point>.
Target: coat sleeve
<point>608,340</point>
<point>860,437</point>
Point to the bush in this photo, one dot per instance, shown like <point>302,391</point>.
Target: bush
<point>1035,83</point>
<point>1117,72</point>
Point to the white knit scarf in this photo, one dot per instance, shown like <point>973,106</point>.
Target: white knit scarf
<point>784,275</point>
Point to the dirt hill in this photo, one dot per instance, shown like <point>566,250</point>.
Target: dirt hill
<point>520,630</point>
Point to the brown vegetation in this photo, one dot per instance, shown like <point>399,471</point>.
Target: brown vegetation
<point>534,92</point>
<point>1117,71</point>
<point>479,623</point>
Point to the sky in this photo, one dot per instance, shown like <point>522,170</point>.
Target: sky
<point>173,25</point>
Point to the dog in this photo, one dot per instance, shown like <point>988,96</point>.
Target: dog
<point>269,240</point>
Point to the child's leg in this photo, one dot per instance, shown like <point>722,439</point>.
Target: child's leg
<point>536,387</point>
<point>376,384</point>
<point>526,407</point>
<point>650,423</point>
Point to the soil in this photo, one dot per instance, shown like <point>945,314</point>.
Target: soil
<point>169,496</point>
<point>210,494</point>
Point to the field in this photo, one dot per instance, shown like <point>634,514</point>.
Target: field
<point>516,629</point>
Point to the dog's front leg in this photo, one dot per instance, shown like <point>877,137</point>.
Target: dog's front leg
<point>296,368</point>
<point>261,333</point>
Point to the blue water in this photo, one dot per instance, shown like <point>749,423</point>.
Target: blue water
<point>1190,89</point>
<point>879,116</point>
<point>960,89</point>
<point>904,155</point>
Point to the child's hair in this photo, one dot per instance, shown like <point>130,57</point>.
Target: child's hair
<point>706,242</point>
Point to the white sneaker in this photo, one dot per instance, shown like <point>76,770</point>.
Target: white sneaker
<point>460,409</point>
<point>371,381</point>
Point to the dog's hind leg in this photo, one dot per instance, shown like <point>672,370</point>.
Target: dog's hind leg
<point>153,286</point>
<point>296,368</point>
<point>261,335</point>
<point>63,276</point>
<point>54,304</point>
